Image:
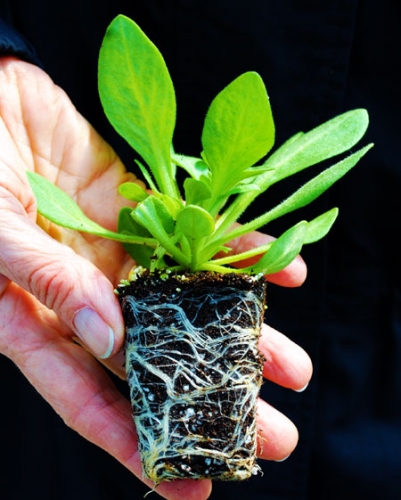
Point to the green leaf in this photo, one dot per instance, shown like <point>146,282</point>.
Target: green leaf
<point>282,252</point>
<point>299,152</point>
<point>243,188</point>
<point>238,130</point>
<point>315,187</point>
<point>152,213</point>
<point>58,207</point>
<point>172,205</point>
<point>195,167</point>
<point>195,222</point>
<point>126,225</point>
<point>131,191</point>
<point>325,141</point>
<point>147,177</point>
<point>138,96</point>
<point>256,171</point>
<point>196,191</point>
<point>303,196</point>
<point>320,226</point>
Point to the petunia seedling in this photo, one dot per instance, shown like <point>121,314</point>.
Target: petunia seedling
<point>183,228</point>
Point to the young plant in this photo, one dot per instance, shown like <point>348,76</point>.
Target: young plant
<point>174,233</point>
<point>184,231</point>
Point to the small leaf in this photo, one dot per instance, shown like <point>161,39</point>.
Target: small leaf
<point>320,226</point>
<point>195,222</point>
<point>172,205</point>
<point>152,213</point>
<point>256,171</point>
<point>238,130</point>
<point>126,225</point>
<point>195,167</point>
<point>282,252</point>
<point>132,191</point>
<point>196,191</point>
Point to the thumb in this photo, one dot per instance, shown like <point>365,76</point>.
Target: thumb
<point>82,297</point>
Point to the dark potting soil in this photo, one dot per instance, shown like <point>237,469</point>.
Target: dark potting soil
<point>192,358</point>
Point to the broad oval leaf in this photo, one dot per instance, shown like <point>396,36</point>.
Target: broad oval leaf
<point>153,214</point>
<point>138,96</point>
<point>196,191</point>
<point>195,222</point>
<point>132,191</point>
<point>238,130</point>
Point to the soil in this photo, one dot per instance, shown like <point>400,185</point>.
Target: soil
<point>194,371</point>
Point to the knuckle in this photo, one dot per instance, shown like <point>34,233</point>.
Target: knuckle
<point>50,286</point>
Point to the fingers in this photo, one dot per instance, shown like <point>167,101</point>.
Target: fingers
<point>286,363</point>
<point>63,281</point>
<point>41,130</point>
<point>116,364</point>
<point>77,387</point>
<point>292,276</point>
<point>277,435</point>
<point>188,489</point>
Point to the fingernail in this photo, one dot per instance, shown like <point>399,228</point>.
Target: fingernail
<point>282,459</point>
<point>94,332</point>
<point>302,388</point>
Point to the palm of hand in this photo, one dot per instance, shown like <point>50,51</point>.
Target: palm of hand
<point>44,280</point>
<point>42,131</point>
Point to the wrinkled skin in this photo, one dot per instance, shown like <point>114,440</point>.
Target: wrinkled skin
<point>49,274</point>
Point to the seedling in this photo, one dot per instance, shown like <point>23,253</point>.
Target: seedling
<point>194,368</point>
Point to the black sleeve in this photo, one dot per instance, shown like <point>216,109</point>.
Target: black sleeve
<point>13,43</point>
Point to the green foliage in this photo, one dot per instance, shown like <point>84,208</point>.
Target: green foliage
<point>238,132</point>
<point>185,232</point>
<point>138,97</point>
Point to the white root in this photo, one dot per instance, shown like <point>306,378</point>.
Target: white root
<point>191,384</point>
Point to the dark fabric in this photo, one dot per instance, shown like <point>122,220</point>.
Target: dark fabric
<point>13,42</point>
<point>317,60</point>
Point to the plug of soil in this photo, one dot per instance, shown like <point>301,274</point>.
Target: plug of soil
<point>194,371</point>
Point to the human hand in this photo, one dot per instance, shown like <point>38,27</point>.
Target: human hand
<point>57,285</point>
